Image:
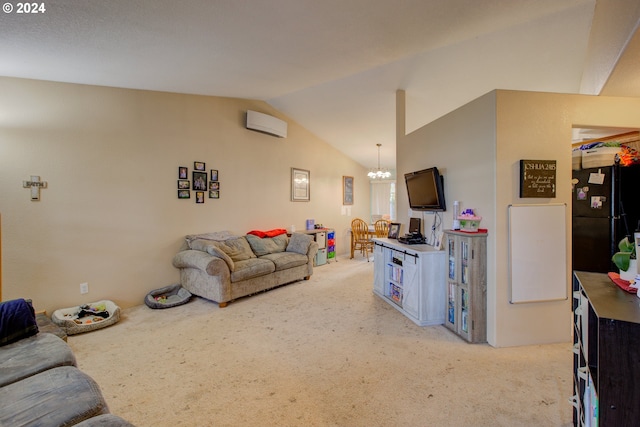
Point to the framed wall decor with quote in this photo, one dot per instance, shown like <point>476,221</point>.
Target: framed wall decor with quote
<point>300,185</point>
<point>538,178</point>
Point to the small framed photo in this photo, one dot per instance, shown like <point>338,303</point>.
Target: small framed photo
<point>184,184</point>
<point>199,181</point>
<point>214,185</point>
<point>300,185</point>
<point>394,230</point>
<point>184,194</point>
<point>214,175</point>
<point>347,190</point>
<point>183,172</point>
<point>214,194</point>
<point>199,196</point>
<point>199,166</point>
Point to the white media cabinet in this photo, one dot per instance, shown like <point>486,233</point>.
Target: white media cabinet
<point>411,278</point>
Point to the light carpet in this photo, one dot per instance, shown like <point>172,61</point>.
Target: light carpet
<point>323,352</point>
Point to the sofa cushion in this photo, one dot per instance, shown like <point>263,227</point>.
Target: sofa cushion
<point>286,260</point>
<point>267,245</point>
<point>211,248</point>
<point>251,268</point>
<point>299,243</point>
<point>61,396</point>
<point>33,355</point>
<point>17,321</point>
<point>216,235</point>
<point>238,249</point>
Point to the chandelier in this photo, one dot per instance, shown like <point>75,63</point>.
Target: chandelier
<point>379,173</point>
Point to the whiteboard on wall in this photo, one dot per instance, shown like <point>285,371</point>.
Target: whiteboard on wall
<point>537,253</point>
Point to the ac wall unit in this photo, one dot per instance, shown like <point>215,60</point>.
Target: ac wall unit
<point>266,123</point>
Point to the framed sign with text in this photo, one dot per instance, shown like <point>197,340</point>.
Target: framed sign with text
<point>538,178</point>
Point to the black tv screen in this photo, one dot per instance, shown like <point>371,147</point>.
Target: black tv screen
<point>425,189</point>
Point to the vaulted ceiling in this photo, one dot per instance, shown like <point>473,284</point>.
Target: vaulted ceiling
<point>333,66</point>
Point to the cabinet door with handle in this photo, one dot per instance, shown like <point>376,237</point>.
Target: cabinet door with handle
<point>411,296</point>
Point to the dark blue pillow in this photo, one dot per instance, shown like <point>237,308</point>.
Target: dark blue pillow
<point>17,321</point>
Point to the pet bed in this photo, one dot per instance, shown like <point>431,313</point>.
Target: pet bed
<point>169,296</point>
<point>88,317</point>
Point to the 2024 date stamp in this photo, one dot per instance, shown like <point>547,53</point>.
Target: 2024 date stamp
<point>24,8</point>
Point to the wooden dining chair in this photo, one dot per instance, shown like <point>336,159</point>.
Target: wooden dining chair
<point>361,237</point>
<point>382,228</point>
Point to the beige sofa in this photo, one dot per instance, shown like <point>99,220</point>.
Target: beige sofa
<point>222,267</point>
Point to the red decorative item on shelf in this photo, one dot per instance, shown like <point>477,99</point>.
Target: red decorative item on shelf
<point>480,230</point>
<point>621,283</point>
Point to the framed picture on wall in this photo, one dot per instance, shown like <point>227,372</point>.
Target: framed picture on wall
<point>184,184</point>
<point>184,194</point>
<point>214,194</point>
<point>199,166</point>
<point>199,181</point>
<point>214,175</point>
<point>300,185</point>
<point>347,190</point>
<point>199,196</point>
<point>183,172</point>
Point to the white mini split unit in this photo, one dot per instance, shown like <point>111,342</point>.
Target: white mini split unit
<point>266,123</point>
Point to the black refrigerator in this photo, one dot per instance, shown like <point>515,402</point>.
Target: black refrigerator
<point>605,208</point>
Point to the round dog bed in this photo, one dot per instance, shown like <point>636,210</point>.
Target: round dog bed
<point>88,317</point>
<point>169,296</point>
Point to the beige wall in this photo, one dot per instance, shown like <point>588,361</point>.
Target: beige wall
<point>110,215</point>
<point>479,148</point>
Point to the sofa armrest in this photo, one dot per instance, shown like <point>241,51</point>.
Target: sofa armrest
<point>312,251</point>
<point>192,258</point>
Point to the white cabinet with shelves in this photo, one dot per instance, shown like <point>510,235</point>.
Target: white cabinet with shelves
<point>411,279</point>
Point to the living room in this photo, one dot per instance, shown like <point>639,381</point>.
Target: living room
<point>110,216</point>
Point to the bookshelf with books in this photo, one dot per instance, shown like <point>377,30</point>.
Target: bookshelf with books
<point>606,351</point>
<point>410,278</point>
<point>466,295</point>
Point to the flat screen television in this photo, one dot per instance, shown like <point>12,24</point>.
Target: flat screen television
<point>425,189</point>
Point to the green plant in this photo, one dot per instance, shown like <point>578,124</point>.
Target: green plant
<point>627,252</point>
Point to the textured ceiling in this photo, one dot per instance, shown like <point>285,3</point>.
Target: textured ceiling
<point>334,66</point>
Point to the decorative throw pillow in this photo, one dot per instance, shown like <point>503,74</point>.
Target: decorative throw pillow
<point>238,249</point>
<point>299,243</point>
<point>267,245</point>
<point>17,321</point>
<point>209,247</point>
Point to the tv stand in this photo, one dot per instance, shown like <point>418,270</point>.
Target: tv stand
<point>411,278</point>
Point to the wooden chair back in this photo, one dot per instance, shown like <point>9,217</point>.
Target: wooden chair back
<point>360,230</point>
<point>382,228</point>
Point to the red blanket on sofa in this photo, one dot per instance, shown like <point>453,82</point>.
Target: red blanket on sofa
<point>270,233</point>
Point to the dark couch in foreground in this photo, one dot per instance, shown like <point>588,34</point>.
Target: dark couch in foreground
<point>40,384</point>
